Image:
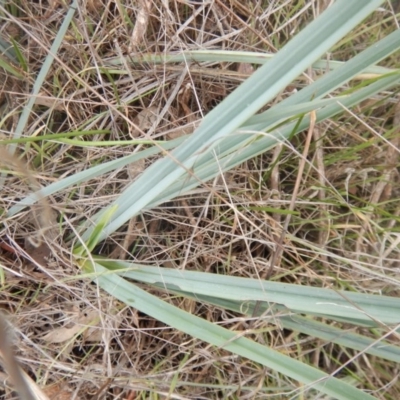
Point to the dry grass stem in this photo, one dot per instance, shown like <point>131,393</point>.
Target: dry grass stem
<point>320,209</point>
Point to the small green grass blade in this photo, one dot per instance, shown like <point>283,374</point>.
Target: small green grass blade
<point>23,120</point>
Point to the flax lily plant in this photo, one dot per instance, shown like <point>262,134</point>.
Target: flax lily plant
<point>230,134</point>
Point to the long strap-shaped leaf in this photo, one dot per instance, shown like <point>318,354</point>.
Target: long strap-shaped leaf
<point>236,149</point>
<point>327,332</point>
<point>360,307</point>
<point>221,337</point>
<point>308,46</point>
<point>341,74</point>
<point>226,56</point>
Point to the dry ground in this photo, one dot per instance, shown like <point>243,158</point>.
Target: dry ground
<point>128,355</point>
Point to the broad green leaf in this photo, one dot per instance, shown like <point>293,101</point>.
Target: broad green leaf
<point>199,328</point>
<point>288,107</point>
<point>244,102</point>
<point>370,309</point>
<point>306,325</point>
<point>238,148</point>
<point>333,79</point>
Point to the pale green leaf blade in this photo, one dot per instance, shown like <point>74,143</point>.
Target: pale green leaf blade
<point>199,328</point>
<point>238,148</point>
<point>244,102</point>
<point>306,325</point>
<point>91,173</point>
<point>301,299</point>
<point>228,56</point>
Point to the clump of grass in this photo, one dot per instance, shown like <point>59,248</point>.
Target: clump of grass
<point>248,281</point>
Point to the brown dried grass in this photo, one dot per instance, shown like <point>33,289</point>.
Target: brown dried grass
<point>127,355</point>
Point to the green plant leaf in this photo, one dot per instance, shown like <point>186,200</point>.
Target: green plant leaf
<point>7,66</point>
<point>199,328</point>
<point>370,309</point>
<point>96,233</point>
<point>228,56</point>
<point>42,74</point>
<point>237,108</point>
